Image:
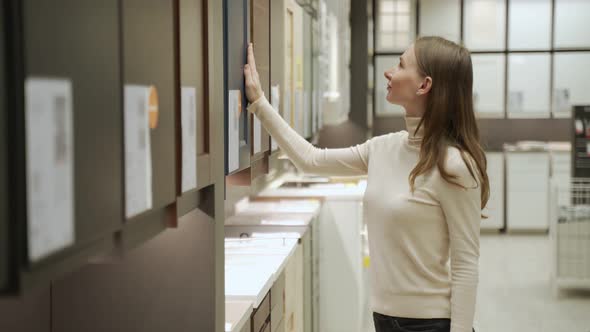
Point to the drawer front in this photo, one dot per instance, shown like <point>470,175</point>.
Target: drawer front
<point>247,327</point>
<point>277,326</point>
<point>276,317</point>
<point>266,327</point>
<point>278,292</point>
<point>261,314</point>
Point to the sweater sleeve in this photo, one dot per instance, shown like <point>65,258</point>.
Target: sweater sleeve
<point>462,210</point>
<point>306,157</point>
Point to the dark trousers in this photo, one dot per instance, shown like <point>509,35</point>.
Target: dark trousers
<point>399,324</point>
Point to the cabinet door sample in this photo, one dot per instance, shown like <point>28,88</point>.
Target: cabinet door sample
<point>148,60</point>
<point>4,213</point>
<point>72,63</point>
<point>236,30</point>
<point>193,82</point>
<point>260,19</point>
<point>289,59</point>
<point>277,57</point>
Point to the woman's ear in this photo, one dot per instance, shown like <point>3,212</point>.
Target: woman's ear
<point>425,86</point>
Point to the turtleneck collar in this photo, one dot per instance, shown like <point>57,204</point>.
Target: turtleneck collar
<point>411,125</point>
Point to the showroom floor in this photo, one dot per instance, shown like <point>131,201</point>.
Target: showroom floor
<point>515,293</point>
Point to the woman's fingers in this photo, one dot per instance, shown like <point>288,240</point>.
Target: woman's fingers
<point>247,73</point>
<point>251,60</point>
<point>253,89</point>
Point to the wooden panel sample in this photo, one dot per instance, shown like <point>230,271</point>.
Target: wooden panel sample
<point>78,41</point>
<point>4,218</point>
<point>193,74</point>
<point>148,59</point>
<point>236,38</point>
<point>260,18</point>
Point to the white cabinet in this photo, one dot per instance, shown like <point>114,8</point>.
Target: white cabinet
<point>341,288</point>
<point>342,294</point>
<point>495,207</point>
<point>527,182</point>
<point>294,293</point>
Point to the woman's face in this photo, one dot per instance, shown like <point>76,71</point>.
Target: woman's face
<point>404,81</point>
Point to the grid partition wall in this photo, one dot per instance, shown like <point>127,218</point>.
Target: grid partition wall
<point>531,58</point>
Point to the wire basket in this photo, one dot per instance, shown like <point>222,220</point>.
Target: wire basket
<point>570,233</point>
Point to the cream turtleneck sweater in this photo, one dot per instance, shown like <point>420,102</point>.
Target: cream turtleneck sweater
<point>412,236</point>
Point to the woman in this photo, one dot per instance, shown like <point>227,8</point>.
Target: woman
<point>426,188</point>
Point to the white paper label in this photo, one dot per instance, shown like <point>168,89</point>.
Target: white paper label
<point>50,166</point>
<point>138,153</point>
<point>257,131</point>
<point>306,116</point>
<point>298,110</point>
<point>320,111</point>
<point>276,104</point>
<point>314,110</point>
<point>233,130</point>
<point>189,138</point>
<point>287,110</point>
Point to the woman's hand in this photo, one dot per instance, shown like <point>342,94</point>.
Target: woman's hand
<point>253,88</point>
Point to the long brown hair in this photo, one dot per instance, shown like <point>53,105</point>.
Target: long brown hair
<point>449,119</point>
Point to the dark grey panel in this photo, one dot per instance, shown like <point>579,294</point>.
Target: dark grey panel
<point>30,312</point>
<point>193,48</point>
<point>148,48</point>
<point>167,284</point>
<point>193,73</point>
<point>4,251</point>
<point>79,40</point>
<point>359,60</point>
<point>236,40</point>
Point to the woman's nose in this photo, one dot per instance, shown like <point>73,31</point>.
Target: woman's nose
<point>387,74</point>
